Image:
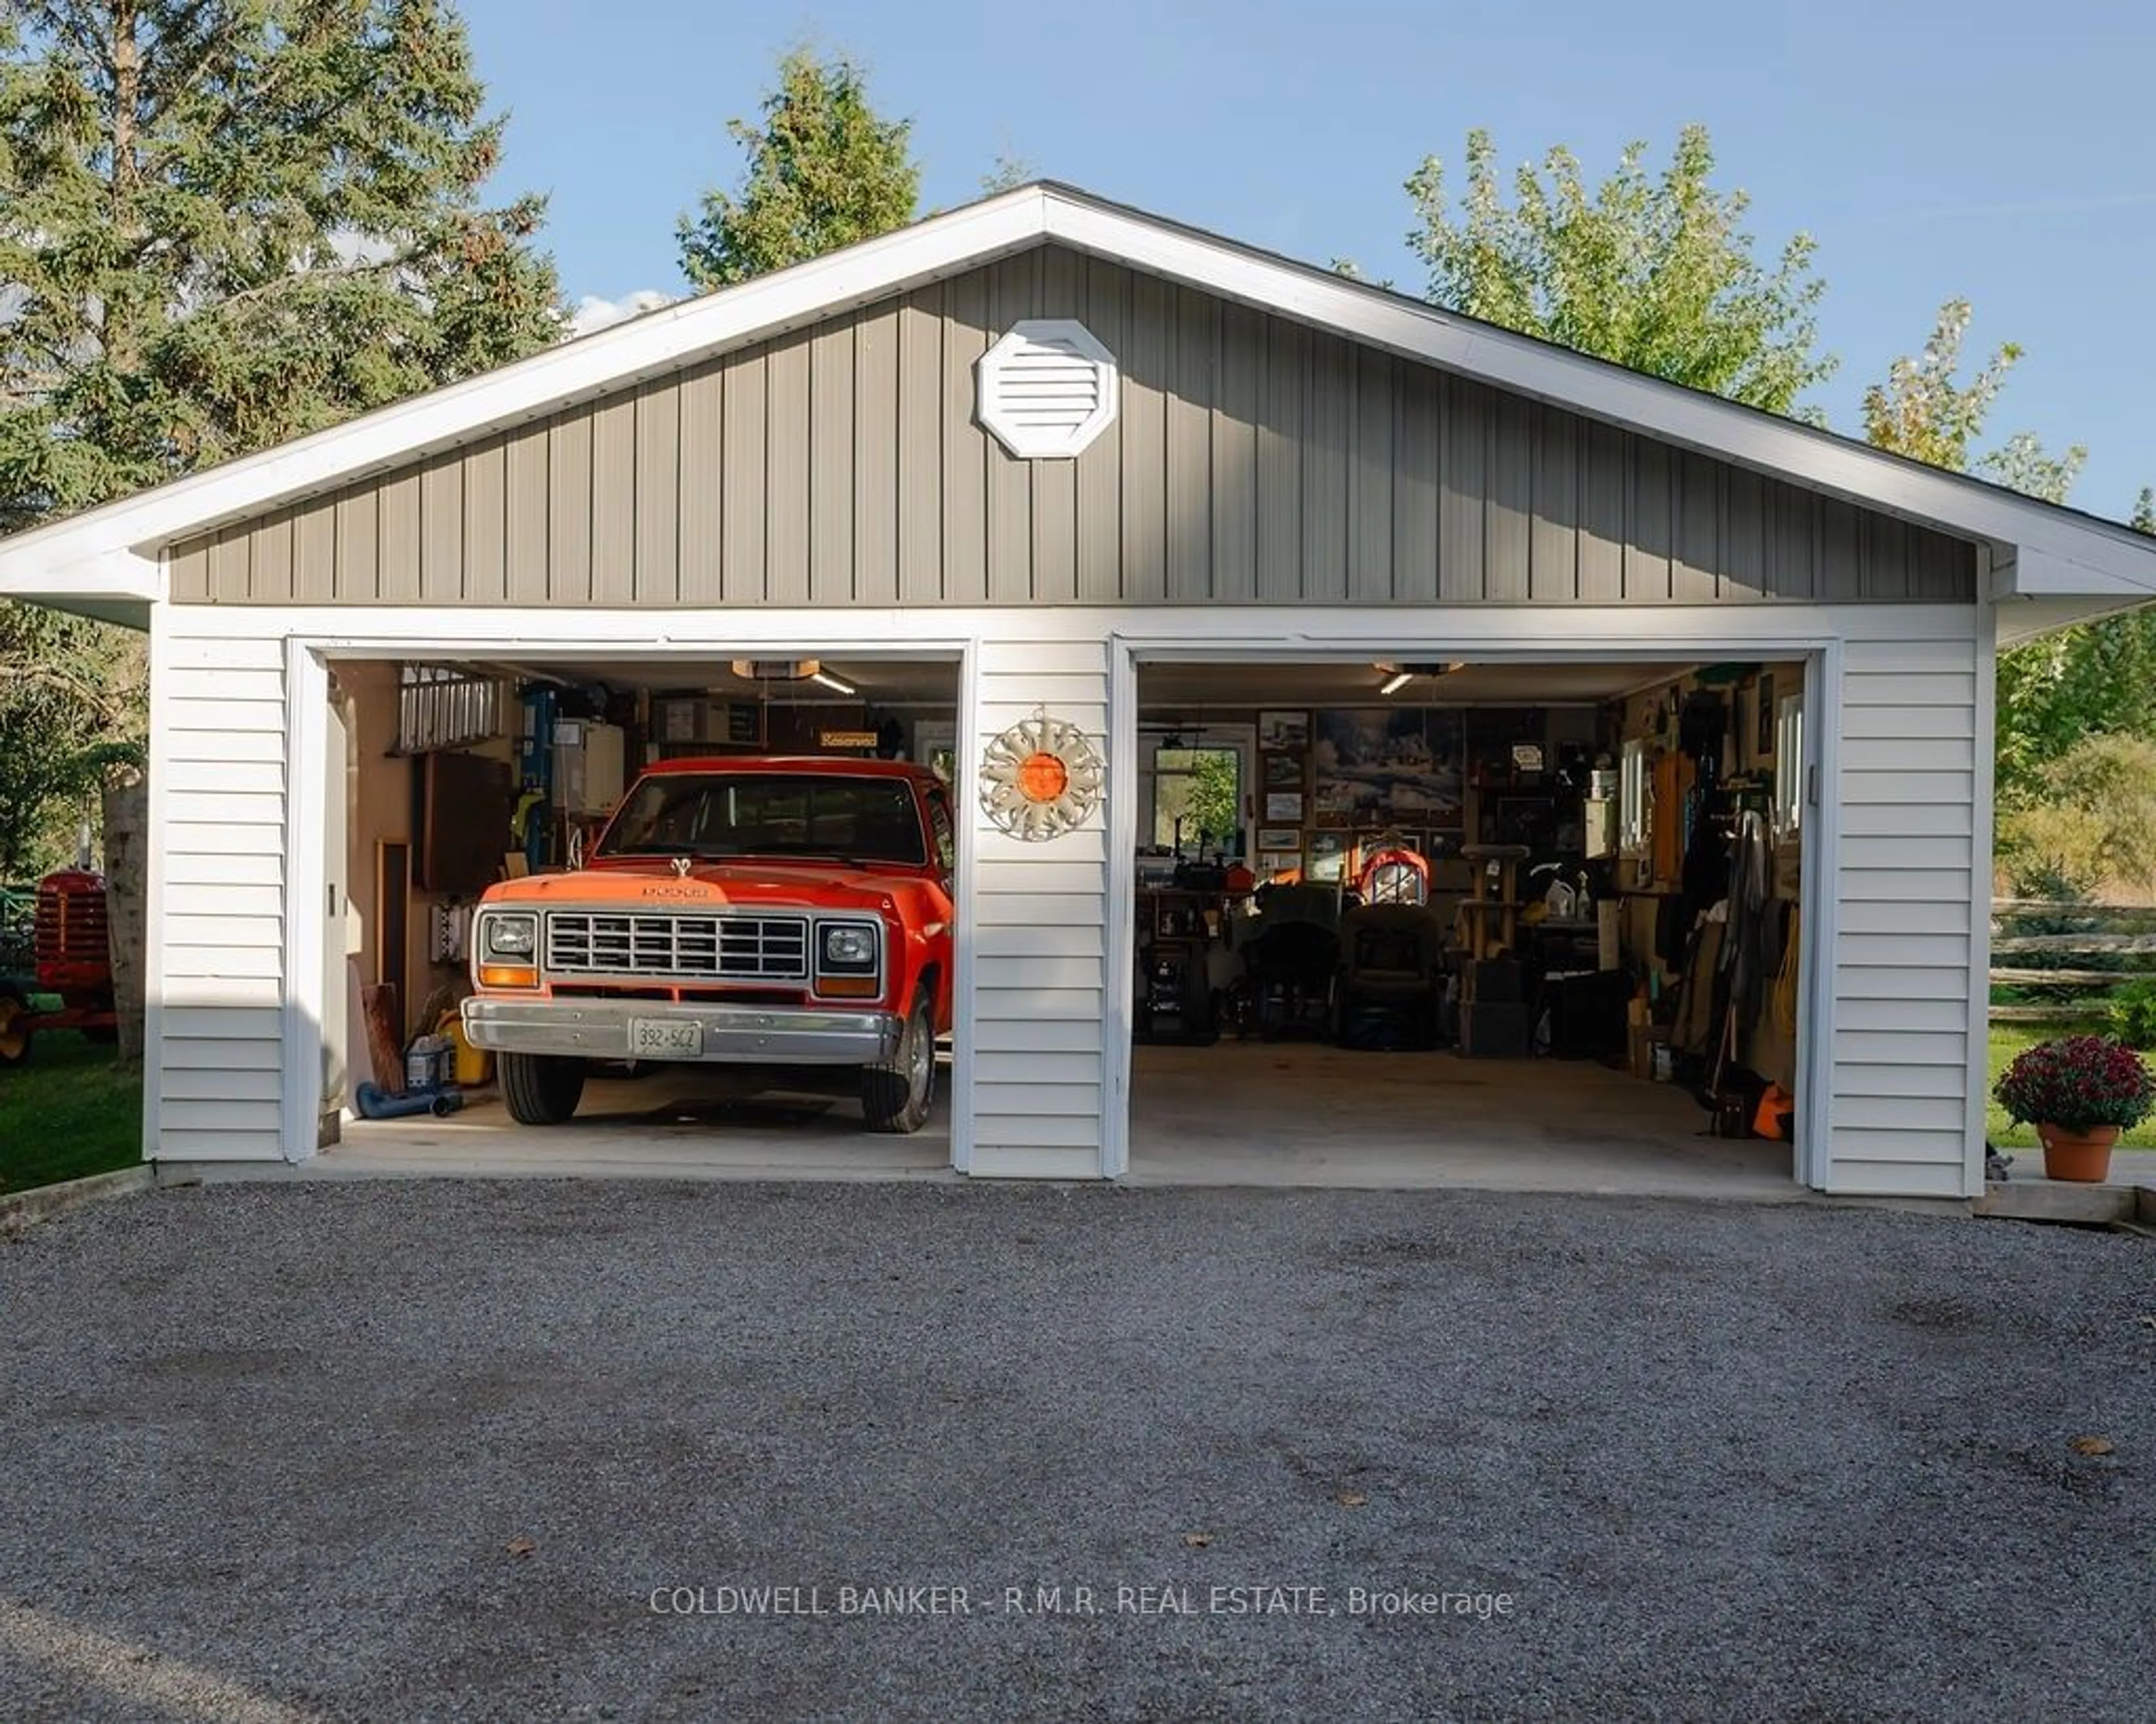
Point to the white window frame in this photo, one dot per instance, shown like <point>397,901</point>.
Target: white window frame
<point>1635,827</point>
<point>1242,738</point>
<point>1789,765</point>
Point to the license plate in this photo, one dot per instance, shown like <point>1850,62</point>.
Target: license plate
<point>665,1038</point>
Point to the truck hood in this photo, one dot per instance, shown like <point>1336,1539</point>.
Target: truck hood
<point>652,883</point>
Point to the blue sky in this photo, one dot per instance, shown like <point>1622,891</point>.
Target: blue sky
<point>2003,152</point>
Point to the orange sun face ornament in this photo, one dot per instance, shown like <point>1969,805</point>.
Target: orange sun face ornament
<point>1040,778</point>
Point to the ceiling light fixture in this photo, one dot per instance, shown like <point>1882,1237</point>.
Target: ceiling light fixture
<point>1397,681</point>
<point>831,681</point>
<point>774,669</point>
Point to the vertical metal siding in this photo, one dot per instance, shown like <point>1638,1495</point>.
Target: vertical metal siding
<point>1253,460</point>
<point>656,565</point>
<point>920,452</point>
<point>699,516</point>
<point>1014,295</point>
<point>877,439</point>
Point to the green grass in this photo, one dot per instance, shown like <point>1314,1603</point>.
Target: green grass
<point>2007,1039</point>
<point>66,1112</point>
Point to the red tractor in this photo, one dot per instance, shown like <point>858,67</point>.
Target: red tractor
<point>71,957</point>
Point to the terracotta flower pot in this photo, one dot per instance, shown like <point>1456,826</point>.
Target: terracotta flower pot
<point>2083,1157</point>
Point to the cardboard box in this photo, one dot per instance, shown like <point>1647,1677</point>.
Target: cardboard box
<point>1645,1038</point>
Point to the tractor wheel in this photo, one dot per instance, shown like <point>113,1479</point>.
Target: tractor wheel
<point>896,1097</point>
<point>14,1025</point>
<point>541,1088</point>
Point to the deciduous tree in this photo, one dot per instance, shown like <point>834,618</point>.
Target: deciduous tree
<point>1655,271</point>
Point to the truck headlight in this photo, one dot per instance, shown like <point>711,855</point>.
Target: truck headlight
<point>849,946</point>
<point>511,936</point>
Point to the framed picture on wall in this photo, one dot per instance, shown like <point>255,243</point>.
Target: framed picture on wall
<point>1284,806</point>
<point>1274,862</point>
<point>1328,856</point>
<point>1279,838</point>
<point>1285,732</point>
<point>1284,772</point>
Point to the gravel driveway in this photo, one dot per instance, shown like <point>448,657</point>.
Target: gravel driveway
<point>272,1453</point>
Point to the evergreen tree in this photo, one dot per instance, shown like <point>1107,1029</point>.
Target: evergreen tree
<point>224,223</point>
<point>824,170</point>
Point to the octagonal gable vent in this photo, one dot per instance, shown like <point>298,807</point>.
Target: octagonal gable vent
<point>1047,388</point>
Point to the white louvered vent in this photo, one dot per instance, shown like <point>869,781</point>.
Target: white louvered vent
<point>1048,389</point>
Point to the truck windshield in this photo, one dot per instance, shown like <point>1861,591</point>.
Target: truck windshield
<point>769,814</point>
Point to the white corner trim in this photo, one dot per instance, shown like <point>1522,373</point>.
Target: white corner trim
<point>1980,915</point>
<point>964,1056</point>
<point>1819,901</point>
<point>1117,1027</point>
<point>1047,388</point>
<point>158,767</point>
<point>307,880</point>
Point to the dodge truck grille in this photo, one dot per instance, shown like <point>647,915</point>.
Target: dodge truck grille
<point>687,948</point>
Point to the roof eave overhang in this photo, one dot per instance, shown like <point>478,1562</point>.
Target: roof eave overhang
<point>2050,552</point>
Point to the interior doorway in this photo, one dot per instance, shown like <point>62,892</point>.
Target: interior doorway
<point>1470,929</point>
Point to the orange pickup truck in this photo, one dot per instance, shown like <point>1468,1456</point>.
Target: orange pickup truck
<point>755,910</point>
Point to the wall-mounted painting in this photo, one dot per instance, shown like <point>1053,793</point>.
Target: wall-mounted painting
<point>1284,806</point>
<point>1288,733</point>
<point>1285,771</point>
<point>1279,838</point>
<point>1387,766</point>
<point>1328,856</point>
<point>1271,863</point>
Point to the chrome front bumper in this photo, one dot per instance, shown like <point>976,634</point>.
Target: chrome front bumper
<point>753,1035</point>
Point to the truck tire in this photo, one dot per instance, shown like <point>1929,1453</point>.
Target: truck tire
<point>541,1088</point>
<point>14,1025</point>
<point>896,1097</point>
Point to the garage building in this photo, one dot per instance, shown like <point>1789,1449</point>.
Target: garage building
<point>1410,586</point>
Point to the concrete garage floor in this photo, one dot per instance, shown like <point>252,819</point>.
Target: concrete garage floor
<point>304,1453</point>
<point>676,1122</point>
<point>1305,1113</point>
<point>1237,1113</point>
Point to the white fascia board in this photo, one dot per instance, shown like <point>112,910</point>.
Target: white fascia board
<point>2099,556</point>
<point>118,584</point>
<point>2087,555</point>
<point>2024,619</point>
<point>655,344</point>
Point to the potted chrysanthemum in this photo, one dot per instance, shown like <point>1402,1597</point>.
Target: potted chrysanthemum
<point>2079,1092</point>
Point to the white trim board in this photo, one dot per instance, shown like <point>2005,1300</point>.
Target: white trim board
<point>2059,551</point>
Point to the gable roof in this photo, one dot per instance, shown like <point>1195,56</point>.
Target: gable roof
<point>106,558</point>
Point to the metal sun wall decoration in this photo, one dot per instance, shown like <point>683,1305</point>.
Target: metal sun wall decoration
<point>1040,778</point>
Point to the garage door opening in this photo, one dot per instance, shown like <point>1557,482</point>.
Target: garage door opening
<point>1431,921</point>
<point>737,930</point>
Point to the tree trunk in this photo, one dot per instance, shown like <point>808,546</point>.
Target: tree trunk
<point>126,883</point>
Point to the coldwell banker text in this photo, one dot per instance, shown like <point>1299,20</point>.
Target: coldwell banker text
<point>1172,1598</point>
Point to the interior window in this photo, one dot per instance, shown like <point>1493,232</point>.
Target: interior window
<point>1789,764</point>
<point>1197,793</point>
<point>1632,797</point>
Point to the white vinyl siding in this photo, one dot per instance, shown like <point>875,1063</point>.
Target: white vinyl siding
<point>1908,984</point>
<point>1039,933</point>
<point>217,969</point>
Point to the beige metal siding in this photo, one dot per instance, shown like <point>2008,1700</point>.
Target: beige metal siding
<point>1254,461</point>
